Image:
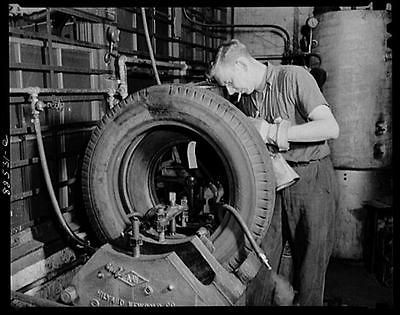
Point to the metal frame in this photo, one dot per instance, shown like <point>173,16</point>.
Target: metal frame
<point>173,39</point>
<point>139,66</point>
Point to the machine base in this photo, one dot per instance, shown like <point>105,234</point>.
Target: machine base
<point>112,278</point>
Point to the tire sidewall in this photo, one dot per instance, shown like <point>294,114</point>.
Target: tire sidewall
<point>154,108</point>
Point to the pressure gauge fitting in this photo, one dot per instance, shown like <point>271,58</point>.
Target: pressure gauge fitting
<point>312,22</point>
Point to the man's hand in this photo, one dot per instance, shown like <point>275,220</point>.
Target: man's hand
<point>276,133</point>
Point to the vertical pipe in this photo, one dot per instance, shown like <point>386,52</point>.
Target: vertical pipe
<point>123,77</point>
<point>172,227</point>
<point>49,46</point>
<point>18,59</point>
<point>232,22</point>
<point>136,237</point>
<point>310,41</point>
<point>63,172</point>
<point>153,30</point>
<point>146,32</point>
<point>170,32</point>
<point>295,29</point>
<point>191,181</point>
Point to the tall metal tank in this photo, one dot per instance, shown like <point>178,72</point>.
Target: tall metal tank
<point>352,45</point>
<point>354,52</point>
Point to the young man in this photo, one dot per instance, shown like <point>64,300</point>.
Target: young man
<point>288,109</point>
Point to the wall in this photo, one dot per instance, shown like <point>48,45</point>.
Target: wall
<point>263,43</point>
<point>63,48</point>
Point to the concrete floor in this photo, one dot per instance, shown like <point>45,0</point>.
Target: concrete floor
<point>348,283</point>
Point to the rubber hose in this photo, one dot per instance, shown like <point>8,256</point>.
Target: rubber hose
<point>246,230</point>
<point>146,32</point>
<point>284,293</point>
<point>50,189</point>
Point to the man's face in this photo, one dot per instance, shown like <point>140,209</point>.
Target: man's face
<point>235,77</point>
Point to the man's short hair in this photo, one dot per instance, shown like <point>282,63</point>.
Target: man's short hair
<point>227,53</point>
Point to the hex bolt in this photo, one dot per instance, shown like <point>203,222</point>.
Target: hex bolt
<point>69,295</point>
<point>148,290</point>
<point>100,275</point>
<point>94,302</point>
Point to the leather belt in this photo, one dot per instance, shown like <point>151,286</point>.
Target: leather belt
<point>303,163</point>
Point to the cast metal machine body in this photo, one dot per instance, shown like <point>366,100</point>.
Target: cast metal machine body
<point>112,278</point>
<point>175,273</point>
<point>167,257</point>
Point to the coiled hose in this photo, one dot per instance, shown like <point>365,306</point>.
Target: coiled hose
<point>70,234</point>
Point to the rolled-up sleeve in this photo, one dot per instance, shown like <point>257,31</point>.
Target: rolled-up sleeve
<point>306,91</point>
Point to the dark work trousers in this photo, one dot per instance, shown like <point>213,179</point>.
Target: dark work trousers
<point>304,214</point>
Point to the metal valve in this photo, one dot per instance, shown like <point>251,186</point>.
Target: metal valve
<point>55,103</point>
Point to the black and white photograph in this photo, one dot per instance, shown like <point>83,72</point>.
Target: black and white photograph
<point>182,156</point>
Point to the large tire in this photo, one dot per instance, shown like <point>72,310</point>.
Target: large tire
<point>132,133</point>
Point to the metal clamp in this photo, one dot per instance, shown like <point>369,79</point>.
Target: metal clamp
<point>36,106</point>
<point>113,39</point>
